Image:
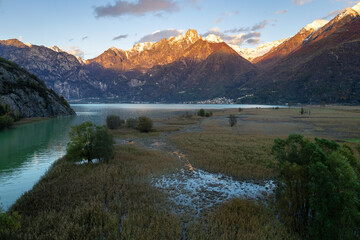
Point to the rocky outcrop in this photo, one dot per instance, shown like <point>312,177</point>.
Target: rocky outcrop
<point>28,96</point>
<point>61,71</point>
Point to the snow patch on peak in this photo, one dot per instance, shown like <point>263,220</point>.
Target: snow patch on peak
<point>356,8</point>
<point>213,39</point>
<point>140,47</point>
<point>113,48</point>
<point>192,36</point>
<point>252,53</point>
<point>315,25</point>
<point>56,49</point>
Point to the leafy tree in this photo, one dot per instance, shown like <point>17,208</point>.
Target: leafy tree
<point>113,121</point>
<point>131,123</point>
<point>144,124</point>
<point>318,189</point>
<point>9,224</point>
<point>201,113</point>
<point>88,141</point>
<point>232,120</point>
<point>103,144</point>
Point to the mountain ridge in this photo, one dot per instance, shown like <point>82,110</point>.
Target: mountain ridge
<point>190,67</point>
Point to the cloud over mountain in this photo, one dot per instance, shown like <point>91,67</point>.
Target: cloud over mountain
<point>120,37</point>
<point>301,2</point>
<point>158,35</point>
<point>120,8</point>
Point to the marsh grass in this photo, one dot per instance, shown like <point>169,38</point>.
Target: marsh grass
<point>242,157</point>
<point>239,219</point>
<point>89,201</point>
<point>162,126</point>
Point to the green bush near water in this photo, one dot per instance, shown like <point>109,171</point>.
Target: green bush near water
<point>89,142</point>
<point>114,122</point>
<point>202,113</point>
<point>144,124</point>
<point>131,123</point>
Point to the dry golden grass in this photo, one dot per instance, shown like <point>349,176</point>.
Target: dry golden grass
<point>242,157</point>
<point>239,219</point>
<point>93,200</point>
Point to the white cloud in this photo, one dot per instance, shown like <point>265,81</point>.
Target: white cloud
<point>139,8</point>
<point>158,35</point>
<point>76,51</point>
<point>280,12</point>
<point>301,2</point>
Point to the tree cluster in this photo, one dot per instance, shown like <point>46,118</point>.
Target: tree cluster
<point>114,122</point>
<point>203,113</point>
<point>89,142</point>
<point>318,190</point>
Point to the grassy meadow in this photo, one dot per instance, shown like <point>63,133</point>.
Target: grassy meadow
<point>116,200</point>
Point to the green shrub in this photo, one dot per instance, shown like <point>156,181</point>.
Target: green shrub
<point>201,113</point>
<point>6,121</point>
<point>9,224</point>
<point>131,123</point>
<point>144,124</point>
<point>113,122</point>
<point>232,120</point>
<point>302,111</point>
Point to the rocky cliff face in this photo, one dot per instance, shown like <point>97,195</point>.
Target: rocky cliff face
<point>60,71</point>
<point>25,94</point>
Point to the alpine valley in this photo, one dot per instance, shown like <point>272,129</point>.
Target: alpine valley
<point>318,64</point>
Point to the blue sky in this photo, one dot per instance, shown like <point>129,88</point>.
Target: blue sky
<point>89,27</point>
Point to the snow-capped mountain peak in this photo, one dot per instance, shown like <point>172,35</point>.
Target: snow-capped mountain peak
<point>56,49</point>
<point>252,53</point>
<point>140,47</point>
<point>353,11</point>
<point>315,25</point>
<point>213,38</point>
<point>356,8</point>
